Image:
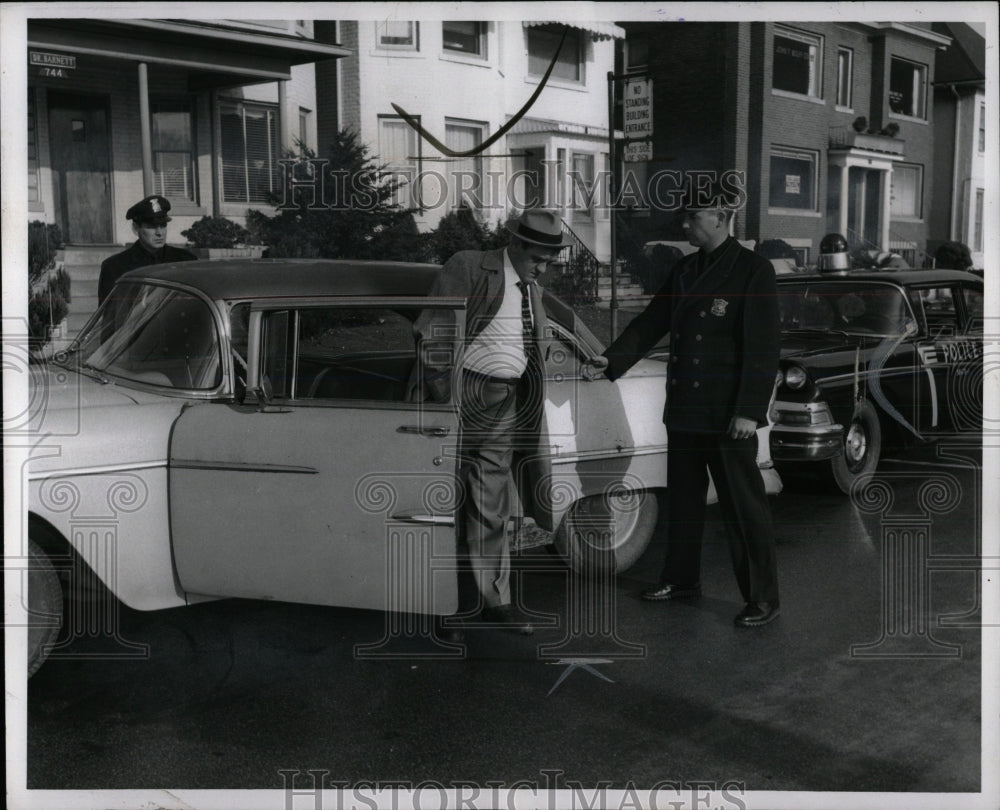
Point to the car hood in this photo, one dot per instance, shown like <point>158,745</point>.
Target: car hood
<point>78,423</point>
<point>806,346</point>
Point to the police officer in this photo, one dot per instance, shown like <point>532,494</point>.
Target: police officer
<point>149,223</point>
<point>720,307</point>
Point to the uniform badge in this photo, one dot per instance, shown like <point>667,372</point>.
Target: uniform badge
<point>155,205</point>
<point>719,307</point>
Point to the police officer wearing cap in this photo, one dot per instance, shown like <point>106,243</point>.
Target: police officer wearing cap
<point>720,307</point>
<point>149,222</point>
<point>501,393</point>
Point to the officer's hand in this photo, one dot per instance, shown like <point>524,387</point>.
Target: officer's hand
<point>741,428</point>
<point>593,368</point>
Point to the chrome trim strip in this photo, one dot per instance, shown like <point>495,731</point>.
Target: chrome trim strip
<point>240,466</point>
<point>105,470</point>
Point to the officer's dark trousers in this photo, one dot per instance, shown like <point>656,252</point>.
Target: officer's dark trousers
<point>743,505</point>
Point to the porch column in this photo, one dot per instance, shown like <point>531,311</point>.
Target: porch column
<point>145,129</point>
<point>886,206</point>
<point>845,173</point>
<point>284,124</point>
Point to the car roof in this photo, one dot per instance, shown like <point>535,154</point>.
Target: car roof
<point>227,279</point>
<point>902,276</point>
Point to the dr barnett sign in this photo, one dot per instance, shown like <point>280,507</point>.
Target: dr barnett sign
<point>52,64</point>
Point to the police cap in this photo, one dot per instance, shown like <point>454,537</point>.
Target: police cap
<point>152,209</point>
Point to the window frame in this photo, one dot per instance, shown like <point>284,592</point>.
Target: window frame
<point>483,128</point>
<point>412,190</point>
<point>982,127</point>
<point>847,105</point>
<point>481,36</point>
<point>574,34</point>
<point>897,216</point>
<point>34,162</point>
<point>977,221</point>
<point>274,184</point>
<point>793,153</point>
<point>188,106</point>
<point>815,93</point>
<point>413,46</point>
<point>921,114</point>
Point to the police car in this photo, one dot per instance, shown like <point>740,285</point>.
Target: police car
<point>870,358</point>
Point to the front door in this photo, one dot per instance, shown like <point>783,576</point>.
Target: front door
<point>81,167</point>
<point>340,491</point>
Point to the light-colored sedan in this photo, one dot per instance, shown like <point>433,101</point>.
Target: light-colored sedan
<point>243,429</point>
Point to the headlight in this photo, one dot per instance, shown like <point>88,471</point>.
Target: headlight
<point>795,377</point>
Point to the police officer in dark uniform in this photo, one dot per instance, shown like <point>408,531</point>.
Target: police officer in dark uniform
<point>720,306</point>
<point>149,222</point>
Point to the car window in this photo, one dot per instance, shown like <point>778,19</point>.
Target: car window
<point>154,335</point>
<point>339,353</point>
<point>973,309</point>
<point>940,311</point>
<point>861,309</point>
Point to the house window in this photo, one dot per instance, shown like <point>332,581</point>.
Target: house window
<point>398,149</point>
<point>907,88</point>
<point>304,127</point>
<point>465,175</point>
<point>798,62</point>
<point>793,179</point>
<point>907,191</point>
<point>33,173</point>
<point>636,52</point>
<point>582,192</point>
<point>249,145</point>
<point>845,77</point>
<point>982,127</point>
<point>464,37</point>
<point>977,232</point>
<point>542,43</point>
<point>172,124</point>
<point>399,35</point>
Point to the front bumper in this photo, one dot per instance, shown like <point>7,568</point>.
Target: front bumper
<point>806,443</point>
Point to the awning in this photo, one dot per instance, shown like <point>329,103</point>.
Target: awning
<point>597,30</point>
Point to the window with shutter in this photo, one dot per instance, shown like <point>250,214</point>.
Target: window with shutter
<point>249,136</point>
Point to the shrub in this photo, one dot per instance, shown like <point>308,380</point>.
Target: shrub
<point>216,232</point>
<point>43,242</point>
<point>47,308</point>
<point>953,256</point>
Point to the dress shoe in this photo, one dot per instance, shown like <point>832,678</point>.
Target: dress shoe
<point>754,614</point>
<point>662,592</point>
<point>450,633</point>
<point>503,617</point>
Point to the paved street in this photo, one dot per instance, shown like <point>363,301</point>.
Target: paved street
<point>234,692</point>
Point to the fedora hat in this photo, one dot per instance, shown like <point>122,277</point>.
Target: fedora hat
<point>539,227</point>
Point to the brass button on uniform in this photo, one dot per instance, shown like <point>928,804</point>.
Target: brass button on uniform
<point>697,337</point>
<point>696,384</point>
<point>696,360</point>
<point>703,313</point>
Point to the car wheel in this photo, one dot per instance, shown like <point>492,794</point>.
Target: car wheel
<point>608,531</point>
<point>45,607</point>
<point>861,450</point>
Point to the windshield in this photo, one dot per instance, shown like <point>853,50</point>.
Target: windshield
<point>153,335</point>
<point>863,309</point>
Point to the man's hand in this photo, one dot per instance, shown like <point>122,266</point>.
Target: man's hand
<point>741,428</point>
<point>593,368</point>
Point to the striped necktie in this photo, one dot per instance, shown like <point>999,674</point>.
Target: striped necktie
<point>527,326</point>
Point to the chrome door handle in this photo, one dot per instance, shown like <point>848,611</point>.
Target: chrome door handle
<point>424,431</point>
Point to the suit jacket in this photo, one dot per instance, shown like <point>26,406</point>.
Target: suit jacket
<point>477,276</point>
<point>724,340</point>
<point>129,259</point>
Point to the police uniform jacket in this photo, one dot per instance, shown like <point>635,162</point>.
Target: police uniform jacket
<point>135,256</point>
<point>724,334</point>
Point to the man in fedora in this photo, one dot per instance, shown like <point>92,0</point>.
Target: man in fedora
<point>720,307</point>
<point>501,388</point>
<point>149,223</point>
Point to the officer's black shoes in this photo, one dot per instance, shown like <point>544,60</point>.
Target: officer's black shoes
<point>503,617</point>
<point>755,614</point>
<point>668,591</point>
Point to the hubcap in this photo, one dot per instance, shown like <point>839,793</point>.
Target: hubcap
<point>856,444</point>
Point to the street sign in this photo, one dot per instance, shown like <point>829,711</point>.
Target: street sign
<point>638,108</point>
<point>637,151</point>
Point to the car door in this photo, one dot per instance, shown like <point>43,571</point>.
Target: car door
<point>950,357</point>
<point>333,489</point>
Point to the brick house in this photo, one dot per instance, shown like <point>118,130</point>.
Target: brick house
<point>783,103</point>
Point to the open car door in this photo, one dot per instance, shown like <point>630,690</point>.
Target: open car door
<point>334,490</point>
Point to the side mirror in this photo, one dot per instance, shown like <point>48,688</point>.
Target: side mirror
<point>264,394</point>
